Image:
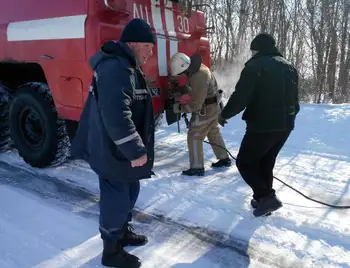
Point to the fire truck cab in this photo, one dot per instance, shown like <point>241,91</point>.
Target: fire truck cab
<point>44,71</point>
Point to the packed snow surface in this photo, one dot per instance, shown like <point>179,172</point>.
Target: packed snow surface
<point>315,160</point>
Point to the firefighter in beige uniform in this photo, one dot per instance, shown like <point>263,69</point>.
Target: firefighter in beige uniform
<point>204,104</point>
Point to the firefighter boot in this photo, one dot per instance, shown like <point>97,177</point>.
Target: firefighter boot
<point>132,239</point>
<point>267,205</point>
<point>193,172</point>
<point>114,256</point>
<point>222,163</point>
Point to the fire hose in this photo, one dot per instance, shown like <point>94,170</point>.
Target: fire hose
<point>305,196</point>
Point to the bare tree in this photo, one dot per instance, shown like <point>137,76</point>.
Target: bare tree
<point>313,34</point>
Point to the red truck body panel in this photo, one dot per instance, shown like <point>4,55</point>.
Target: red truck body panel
<point>62,35</point>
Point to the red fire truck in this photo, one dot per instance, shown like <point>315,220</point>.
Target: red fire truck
<point>44,71</point>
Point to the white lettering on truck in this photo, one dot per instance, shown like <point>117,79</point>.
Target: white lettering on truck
<point>141,12</point>
<point>184,25</point>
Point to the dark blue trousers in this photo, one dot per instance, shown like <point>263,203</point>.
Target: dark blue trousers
<point>117,199</point>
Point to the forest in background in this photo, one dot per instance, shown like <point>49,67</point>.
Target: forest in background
<point>313,34</point>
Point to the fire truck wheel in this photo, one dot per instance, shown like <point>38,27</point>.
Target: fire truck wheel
<point>5,140</point>
<point>39,135</point>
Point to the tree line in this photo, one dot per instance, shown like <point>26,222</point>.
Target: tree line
<point>313,34</point>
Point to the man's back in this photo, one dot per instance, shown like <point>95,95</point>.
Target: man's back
<point>274,101</point>
<point>203,87</point>
<point>268,91</point>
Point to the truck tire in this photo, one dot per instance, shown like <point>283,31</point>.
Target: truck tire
<point>5,140</point>
<point>38,133</point>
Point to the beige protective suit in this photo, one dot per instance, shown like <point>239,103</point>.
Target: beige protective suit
<point>204,120</point>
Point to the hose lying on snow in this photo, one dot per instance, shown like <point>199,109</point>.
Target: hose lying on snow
<point>309,198</point>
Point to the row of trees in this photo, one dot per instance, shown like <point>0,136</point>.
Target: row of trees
<point>313,34</point>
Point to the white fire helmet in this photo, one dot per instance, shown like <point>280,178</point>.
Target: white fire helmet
<point>179,63</point>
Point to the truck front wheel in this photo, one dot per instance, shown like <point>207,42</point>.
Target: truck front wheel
<point>38,133</point>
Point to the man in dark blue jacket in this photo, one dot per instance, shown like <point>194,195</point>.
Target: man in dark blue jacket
<point>116,136</point>
<point>268,91</point>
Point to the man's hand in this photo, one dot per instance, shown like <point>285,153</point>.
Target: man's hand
<point>221,120</point>
<point>140,161</point>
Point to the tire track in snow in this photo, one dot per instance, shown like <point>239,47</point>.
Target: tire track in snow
<point>85,203</point>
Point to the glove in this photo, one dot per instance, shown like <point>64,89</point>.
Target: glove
<point>177,108</point>
<point>184,99</point>
<point>221,120</point>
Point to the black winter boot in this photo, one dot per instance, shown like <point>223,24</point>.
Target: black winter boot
<point>254,203</point>
<point>222,163</point>
<point>193,172</point>
<point>113,255</point>
<point>267,205</point>
<point>132,239</point>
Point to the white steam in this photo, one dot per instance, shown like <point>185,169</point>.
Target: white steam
<point>227,75</point>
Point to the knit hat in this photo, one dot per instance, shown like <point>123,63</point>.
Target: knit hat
<point>263,41</point>
<point>138,30</point>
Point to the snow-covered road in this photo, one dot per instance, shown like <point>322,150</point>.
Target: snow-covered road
<point>215,208</point>
<point>45,223</point>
